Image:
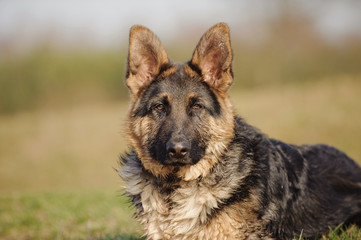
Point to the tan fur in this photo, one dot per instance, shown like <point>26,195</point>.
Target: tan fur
<point>190,72</point>
<point>168,72</point>
<point>136,134</point>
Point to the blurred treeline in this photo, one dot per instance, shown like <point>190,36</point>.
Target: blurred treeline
<point>47,78</point>
<point>292,52</point>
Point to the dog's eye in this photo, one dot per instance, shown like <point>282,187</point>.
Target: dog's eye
<point>197,106</point>
<point>160,107</point>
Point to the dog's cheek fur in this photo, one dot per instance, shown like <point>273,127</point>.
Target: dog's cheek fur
<point>139,130</point>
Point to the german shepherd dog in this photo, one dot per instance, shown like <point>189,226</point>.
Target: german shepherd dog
<point>197,171</point>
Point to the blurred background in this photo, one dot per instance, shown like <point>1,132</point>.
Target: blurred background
<point>63,99</point>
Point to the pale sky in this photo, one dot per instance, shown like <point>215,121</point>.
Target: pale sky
<point>106,23</point>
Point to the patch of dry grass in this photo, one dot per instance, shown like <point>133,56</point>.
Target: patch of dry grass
<point>61,149</point>
<point>326,111</point>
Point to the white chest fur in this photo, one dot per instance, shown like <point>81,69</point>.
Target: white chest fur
<point>184,214</point>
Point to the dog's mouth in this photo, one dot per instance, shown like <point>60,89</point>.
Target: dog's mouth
<point>179,161</point>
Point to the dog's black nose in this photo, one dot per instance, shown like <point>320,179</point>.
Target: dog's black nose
<point>177,148</point>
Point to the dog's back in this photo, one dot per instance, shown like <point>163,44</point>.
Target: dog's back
<point>320,188</point>
<point>304,189</point>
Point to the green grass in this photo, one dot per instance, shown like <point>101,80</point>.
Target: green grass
<point>339,233</point>
<point>67,215</point>
<point>101,215</point>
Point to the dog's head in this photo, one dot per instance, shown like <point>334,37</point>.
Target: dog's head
<point>180,120</point>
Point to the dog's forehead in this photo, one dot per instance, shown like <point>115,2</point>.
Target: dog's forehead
<point>180,84</point>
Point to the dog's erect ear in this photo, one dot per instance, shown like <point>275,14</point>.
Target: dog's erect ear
<point>146,57</point>
<point>213,56</point>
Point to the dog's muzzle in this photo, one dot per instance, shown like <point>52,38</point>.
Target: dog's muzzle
<point>178,152</point>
